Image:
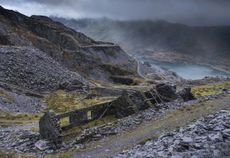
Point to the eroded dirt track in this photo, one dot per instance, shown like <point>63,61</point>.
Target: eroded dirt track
<point>152,129</point>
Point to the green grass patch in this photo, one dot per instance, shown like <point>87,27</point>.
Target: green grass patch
<point>210,89</point>
<point>18,116</point>
<point>64,121</point>
<point>61,101</point>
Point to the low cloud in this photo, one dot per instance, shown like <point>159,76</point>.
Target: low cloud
<point>191,12</point>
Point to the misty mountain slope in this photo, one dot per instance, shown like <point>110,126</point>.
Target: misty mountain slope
<point>158,36</point>
<point>74,50</point>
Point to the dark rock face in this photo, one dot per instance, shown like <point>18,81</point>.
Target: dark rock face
<point>186,94</point>
<point>122,80</point>
<point>166,92</point>
<point>127,104</point>
<point>124,106</point>
<point>32,69</point>
<point>74,50</point>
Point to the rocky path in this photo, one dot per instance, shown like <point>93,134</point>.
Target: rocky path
<point>208,137</point>
<point>170,121</point>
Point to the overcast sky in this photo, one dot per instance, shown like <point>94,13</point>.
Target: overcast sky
<point>191,12</point>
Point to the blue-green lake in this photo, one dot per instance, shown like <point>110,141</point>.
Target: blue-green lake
<point>189,71</point>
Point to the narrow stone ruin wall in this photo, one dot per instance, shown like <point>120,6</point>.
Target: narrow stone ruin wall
<point>83,116</point>
<point>49,124</point>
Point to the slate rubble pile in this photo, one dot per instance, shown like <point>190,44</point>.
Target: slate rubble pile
<point>208,137</point>
<point>20,103</point>
<point>32,69</point>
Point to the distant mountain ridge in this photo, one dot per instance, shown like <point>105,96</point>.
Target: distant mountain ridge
<point>138,36</point>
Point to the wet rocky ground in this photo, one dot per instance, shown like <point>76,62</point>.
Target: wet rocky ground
<point>206,138</point>
<point>19,138</point>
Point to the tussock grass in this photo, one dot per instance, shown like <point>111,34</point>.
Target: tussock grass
<point>210,89</point>
<point>18,116</point>
<point>61,101</point>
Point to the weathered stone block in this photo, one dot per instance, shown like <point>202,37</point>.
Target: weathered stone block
<point>166,92</point>
<point>128,104</point>
<point>186,94</point>
<point>50,129</point>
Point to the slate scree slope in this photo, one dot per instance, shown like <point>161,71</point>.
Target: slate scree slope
<point>42,54</point>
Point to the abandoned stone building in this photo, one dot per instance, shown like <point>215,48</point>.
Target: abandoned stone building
<point>127,104</point>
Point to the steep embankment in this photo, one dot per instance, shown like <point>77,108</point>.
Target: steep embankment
<point>32,69</point>
<point>204,45</point>
<point>73,50</point>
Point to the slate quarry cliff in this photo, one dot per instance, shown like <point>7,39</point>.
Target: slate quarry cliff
<point>38,44</point>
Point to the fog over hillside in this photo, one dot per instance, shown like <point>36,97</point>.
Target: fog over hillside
<point>191,12</point>
<point>157,35</point>
<point>161,40</point>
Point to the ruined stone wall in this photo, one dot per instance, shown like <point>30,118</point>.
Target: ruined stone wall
<point>127,104</point>
<point>51,129</point>
<point>85,115</point>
